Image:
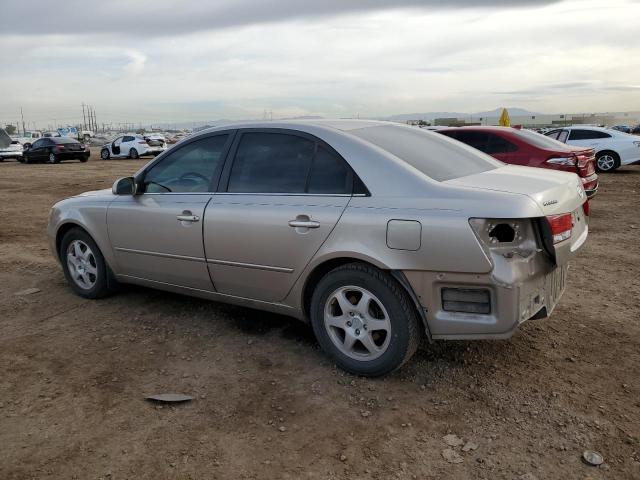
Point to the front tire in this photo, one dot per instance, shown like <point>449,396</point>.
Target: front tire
<point>607,161</point>
<point>84,266</point>
<point>364,320</point>
<point>104,154</point>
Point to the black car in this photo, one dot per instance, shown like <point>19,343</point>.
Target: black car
<point>636,129</point>
<point>55,149</point>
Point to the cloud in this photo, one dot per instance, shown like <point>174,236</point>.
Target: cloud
<point>166,17</point>
<point>372,62</point>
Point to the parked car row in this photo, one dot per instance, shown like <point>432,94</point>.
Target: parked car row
<point>530,149</point>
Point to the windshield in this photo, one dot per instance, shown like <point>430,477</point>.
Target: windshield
<point>437,156</point>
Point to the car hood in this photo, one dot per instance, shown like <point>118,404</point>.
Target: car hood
<point>96,193</point>
<point>553,191</point>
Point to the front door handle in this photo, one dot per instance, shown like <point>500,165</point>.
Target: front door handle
<point>303,221</point>
<point>187,216</point>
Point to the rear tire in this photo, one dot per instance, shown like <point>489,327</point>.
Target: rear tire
<point>53,158</point>
<point>133,153</point>
<point>84,266</point>
<point>607,161</point>
<point>378,332</point>
<point>83,159</point>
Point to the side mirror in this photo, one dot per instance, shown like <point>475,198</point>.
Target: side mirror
<point>124,186</point>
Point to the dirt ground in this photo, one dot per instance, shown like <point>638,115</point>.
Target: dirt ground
<point>268,403</point>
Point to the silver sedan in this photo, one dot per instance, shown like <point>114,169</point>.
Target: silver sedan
<point>377,234</point>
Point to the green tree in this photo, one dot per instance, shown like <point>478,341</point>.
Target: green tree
<point>11,129</point>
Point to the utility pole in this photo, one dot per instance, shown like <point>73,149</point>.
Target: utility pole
<point>84,119</point>
<point>24,132</point>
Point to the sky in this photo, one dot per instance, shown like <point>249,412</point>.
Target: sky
<point>146,61</point>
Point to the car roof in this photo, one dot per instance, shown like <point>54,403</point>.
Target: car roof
<point>488,128</point>
<point>589,127</point>
<point>341,124</point>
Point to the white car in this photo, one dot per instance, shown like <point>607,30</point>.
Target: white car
<point>132,146</point>
<point>28,138</point>
<point>613,148</point>
<point>13,150</point>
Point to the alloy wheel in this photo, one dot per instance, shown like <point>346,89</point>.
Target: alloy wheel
<point>357,323</point>
<point>606,162</point>
<point>82,264</point>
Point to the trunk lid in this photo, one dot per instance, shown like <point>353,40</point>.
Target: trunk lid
<point>554,192</point>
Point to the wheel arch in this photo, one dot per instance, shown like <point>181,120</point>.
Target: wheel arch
<point>62,231</point>
<point>609,151</point>
<point>324,267</point>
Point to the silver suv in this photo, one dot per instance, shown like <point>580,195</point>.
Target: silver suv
<point>378,234</point>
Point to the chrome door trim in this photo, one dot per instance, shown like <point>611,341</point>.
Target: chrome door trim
<point>158,254</point>
<point>250,265</point>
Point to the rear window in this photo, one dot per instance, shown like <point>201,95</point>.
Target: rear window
<point>540,140</point>
<point>436,156</point>
<point>63,140</point>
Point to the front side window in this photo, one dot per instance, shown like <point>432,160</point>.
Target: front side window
<point>563,136</point>
<point>271,163</point>
<point>189,169</point>
<point>553,134</point>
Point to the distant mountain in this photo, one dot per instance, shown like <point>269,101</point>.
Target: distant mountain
<point>430,116</point>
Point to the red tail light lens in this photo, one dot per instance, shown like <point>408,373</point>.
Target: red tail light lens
<point>60,147</point>
<point>142,141</point>
<point>564,161</point>
<point>561,226</point>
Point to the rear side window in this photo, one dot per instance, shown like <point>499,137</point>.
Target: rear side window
<point>579,134</point>
<point>434,155</point>
<point>329,174</point>
<point>128,139</point>
<point>271,163</point>
<point>190,168</point>
<point>497,144</point>
<point>479,140</point>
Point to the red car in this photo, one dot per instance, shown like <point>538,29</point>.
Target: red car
<point>523,147</point>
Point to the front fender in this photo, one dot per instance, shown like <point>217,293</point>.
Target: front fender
<point>91,216</point>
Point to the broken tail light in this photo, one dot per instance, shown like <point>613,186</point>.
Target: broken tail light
<point>561,226</point>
